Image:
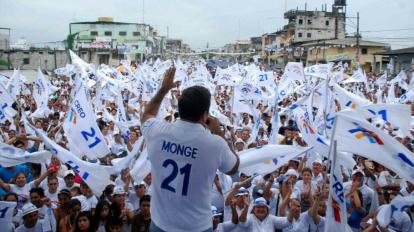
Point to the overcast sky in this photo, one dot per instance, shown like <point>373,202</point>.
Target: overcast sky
<point>199,22</point>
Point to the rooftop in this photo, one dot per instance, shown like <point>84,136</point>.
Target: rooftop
<point>346,41</point>
<point>398,51</point>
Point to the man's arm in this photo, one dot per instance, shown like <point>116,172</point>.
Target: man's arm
<point>214,127</point>
<point>151,109</point>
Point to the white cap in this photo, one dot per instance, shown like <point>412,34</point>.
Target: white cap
<point>292,172</point>
<point>118,190</point>
<point>319,161</point>
<point>214,211</point>
<point>239,140</point>
<point>69,172</point>
<point>29,208</point>
<point>260,201</point>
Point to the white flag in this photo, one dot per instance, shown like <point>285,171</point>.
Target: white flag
<point>348,99</point>
<point>362,138</point>
<point>310,135</point>
<point>82,131</point>
<point>96,176</point>
<point>336,215</point>
<point>398,206</point>
<point>382,80</point>
<point>6,215</point>
<point>268,158</point>
<point>397,114</point>
<point>293,71</point>
<point>357,77</point>
<point>406,97</point>
<point>12,156</point>
<point>142,167</point>
<point>6,101</point>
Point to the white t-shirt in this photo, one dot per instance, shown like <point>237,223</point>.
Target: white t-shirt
<point>93,201</point>
<point>23,193</point>
<point>184,159</point>
<point>367,194</point>
<point>270,223</point>
<point>40,226</point>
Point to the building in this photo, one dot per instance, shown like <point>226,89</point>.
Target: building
<point>107,41</point>
<point>306,25</point>
<point>397,60</point>
<point>256,44</point>
<point>345,50</point>
<point>33,58</point>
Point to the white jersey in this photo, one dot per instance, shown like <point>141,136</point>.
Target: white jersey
<point>184,159</point>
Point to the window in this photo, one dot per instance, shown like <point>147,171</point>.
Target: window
<point>300,21</point>
<point>309,35</point>
<point>136,33</point>
<point>300,35</point>
<point>309,21</point>
<point>26,61</point>
<point>122,33</point>
<point>40,53</point>
<point>94,33</point>
<point>51,53</point>
<point>327,23</point>
<point>26,53</point>
<point>364,51</point>
<point>108,33</point>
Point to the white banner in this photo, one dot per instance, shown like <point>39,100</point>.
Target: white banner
<point>96,176</point>
<point>12,156</point>
<point>360,137</point>
<point>82,131</point>
<point>268,158</point>
<point>6,215</point>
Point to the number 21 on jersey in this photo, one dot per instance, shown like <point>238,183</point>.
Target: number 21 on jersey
<point>185,171</point>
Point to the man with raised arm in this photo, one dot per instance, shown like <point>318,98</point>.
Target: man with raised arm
<point>184,156</point>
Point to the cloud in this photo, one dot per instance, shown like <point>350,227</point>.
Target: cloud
<point>197,22</point>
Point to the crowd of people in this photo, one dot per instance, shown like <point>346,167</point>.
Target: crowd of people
<point>52,196</point>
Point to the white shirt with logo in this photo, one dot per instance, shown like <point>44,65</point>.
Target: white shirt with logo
<point>184,159</point>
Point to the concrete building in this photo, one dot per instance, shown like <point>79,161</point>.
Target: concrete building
<point>107,41</point>
<point>345,50</point>
<point>33,58</point>
<point>397,60</point>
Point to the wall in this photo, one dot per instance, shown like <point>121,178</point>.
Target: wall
<point>43,58</point>
<point>318,28</point>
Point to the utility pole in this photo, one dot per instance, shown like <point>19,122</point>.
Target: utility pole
<point>357,39</point>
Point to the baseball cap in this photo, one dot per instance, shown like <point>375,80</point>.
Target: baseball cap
<point>257,192</point>
<point>317,161</point>
<point>29,208</point>
<point>239,140</point>
<point>215,211</point>
<point>118,190</point>
<point>260,201</point>
<point>242,191</point>
<point>239,129</point>
<point>69,172</point>
<point>292,172</point>
<point>140,184</point>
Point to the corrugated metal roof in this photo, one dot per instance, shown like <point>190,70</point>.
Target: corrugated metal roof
<point>398,51</point>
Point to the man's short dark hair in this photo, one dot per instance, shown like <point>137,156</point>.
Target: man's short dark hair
<point>38,190</point>
<point>145,198</point>
<point>193,103</point>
